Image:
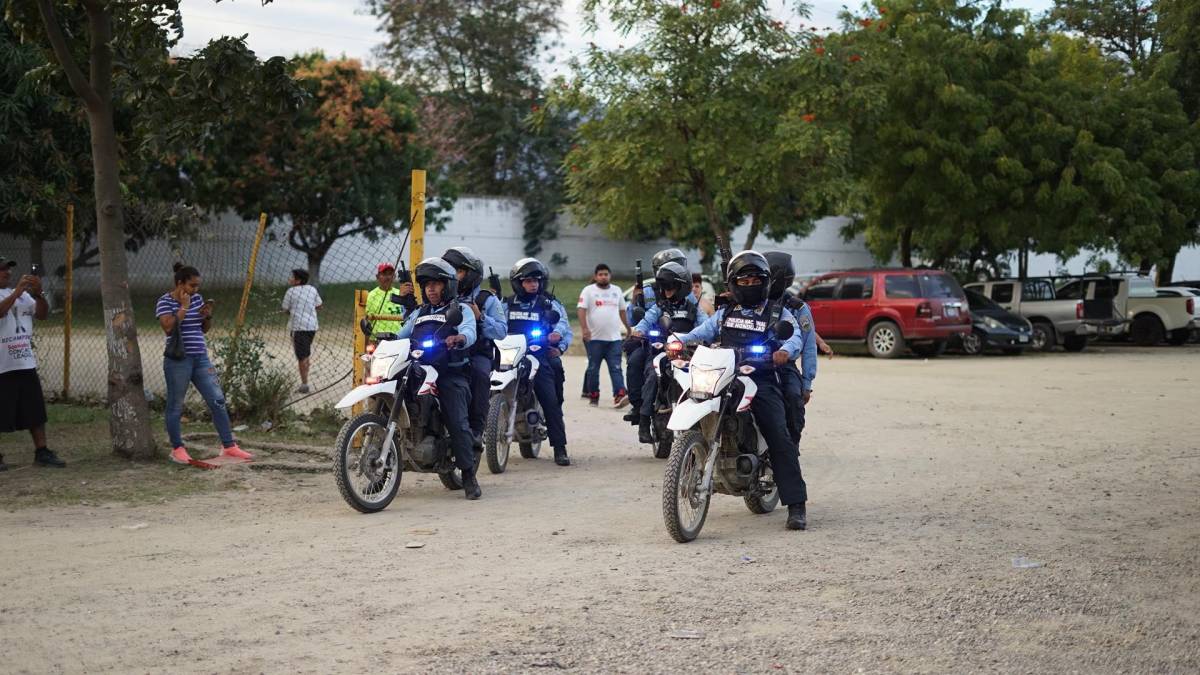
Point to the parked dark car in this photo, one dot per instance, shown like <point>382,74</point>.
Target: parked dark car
<point>993,327</point>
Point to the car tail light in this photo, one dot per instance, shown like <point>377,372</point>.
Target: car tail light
<point>925,309</point>
<point>1079,310</point>
<point>1191,305</point>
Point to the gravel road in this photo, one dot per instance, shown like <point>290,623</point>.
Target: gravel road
<point>927,479</point>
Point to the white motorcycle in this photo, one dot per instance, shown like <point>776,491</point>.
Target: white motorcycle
<point>402,427</point>
<point>514,413</point>
<point>717,446</point>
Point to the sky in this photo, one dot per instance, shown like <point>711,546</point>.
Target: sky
<point>340,27</point>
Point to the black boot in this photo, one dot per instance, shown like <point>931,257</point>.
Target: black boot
<point>633,416</point>
<point>560,457</point>
<point>45,457</point>
<point>797,517</point>
<point>471,486</point>
<point>644,433</point>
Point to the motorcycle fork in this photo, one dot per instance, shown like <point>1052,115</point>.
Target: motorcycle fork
<point>710,428</point>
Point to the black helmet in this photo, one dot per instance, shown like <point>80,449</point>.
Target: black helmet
<point>668,255</point>
<point>436,269</point>
<point>527,268</point>
<point>463,258</point>
<point>748,264</point>
<point>672,275</point>
<point>783,272</point>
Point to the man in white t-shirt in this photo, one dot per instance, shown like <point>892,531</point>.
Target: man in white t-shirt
<point>302,302</point>
<point>22,405</point>
<point>601,311</point>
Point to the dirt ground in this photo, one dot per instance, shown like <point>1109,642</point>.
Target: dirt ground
<point>927,479</point>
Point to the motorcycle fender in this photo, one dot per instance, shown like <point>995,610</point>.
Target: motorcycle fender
<point>748,393</point>
<point>688,413</point>
<point>683,377</point>
<point>429,386</point>
<point>366,391</point>
<point>501,380</point>
<point>534,365</point>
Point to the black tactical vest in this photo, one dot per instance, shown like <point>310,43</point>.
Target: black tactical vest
<point>426,325</point>
<point>743,327</point>
<point>681,317</point>
<point>523,320</point>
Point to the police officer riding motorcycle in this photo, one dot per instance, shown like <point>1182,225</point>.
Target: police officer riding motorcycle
<point>635,356</point>
<point>674,311</point>
<point>752,327</point>
<point>490,325</point>
<point>797,385</point>
<point>531,309</point>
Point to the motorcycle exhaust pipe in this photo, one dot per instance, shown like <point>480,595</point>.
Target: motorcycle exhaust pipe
<point>747,466</point>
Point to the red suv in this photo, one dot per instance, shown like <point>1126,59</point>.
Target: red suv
<point>889,309</point>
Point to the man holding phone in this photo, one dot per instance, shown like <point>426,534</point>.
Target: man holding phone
<point>22,405</point>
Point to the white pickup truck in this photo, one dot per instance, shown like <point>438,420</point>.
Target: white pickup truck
<point>1130,305</point>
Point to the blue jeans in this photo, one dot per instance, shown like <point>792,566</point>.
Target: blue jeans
<point>197,370</point>
<point>608,351</point>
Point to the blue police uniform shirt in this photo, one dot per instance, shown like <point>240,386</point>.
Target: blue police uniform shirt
<point>495,321</point>
<point>800,345</point>
<point>563,327</point>
<point>465,327</point>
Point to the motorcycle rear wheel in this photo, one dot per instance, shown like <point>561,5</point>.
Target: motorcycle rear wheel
<point>663,437</point>
<point>367,489</point>
<point>684,511</point>
<point>761,504</point>
<point>495,434</point>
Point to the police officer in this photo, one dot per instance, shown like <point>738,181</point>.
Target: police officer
<point>439,284</point>
<point>797,385</point>
<point>750,320</point>
<point>529,308</point>
<point>672,301</point>
<point>490,325</point>
<point>635,357</point>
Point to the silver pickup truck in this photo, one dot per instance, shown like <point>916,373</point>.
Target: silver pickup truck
<point>1056,321</point>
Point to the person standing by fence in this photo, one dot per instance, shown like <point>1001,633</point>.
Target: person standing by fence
<point>383,301</point>
<point>185,317</point>
<point>302,302</point>
<point>22,405</point>
<point>601,312</point>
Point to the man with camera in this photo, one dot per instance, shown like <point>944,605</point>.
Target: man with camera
<point>22,405</point>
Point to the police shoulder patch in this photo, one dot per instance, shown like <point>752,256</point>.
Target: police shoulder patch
<point>805,324</point>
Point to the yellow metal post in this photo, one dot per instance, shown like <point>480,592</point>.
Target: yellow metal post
<point>416,224</point>
<point>70,283</point>
<point>241,315</point>
<point>360,342</point>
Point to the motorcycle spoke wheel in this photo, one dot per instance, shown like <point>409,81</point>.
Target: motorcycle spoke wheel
<point>495,434</point>
<point>685,502</point>
<point>367,483</point>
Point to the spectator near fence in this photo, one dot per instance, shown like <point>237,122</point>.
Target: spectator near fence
<point>185,317</point>
<point>383,301</point>
<point>302,302</point>
<point>22,405</point>
<point>601,311</point>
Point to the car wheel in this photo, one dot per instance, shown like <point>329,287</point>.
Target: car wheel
<point>1075,343</point>
<point>972,343</point>
<point>1147,330</point>
<point>884,340</point>
<point>1043,338</point>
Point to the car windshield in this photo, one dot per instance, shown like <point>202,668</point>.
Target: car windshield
<point>939,285</point>
<point>977,301</point>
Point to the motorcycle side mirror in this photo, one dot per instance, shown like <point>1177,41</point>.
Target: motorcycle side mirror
<point>784,330</point>
<point>454,315</point>
<point>638,314</point>
<point>365,327</point>
<point>552,317</point>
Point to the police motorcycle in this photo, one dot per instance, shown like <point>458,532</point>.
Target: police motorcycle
<point>514,414</point>
<point>717,446</point>
<point>670,366</point>
<point>401,428</point>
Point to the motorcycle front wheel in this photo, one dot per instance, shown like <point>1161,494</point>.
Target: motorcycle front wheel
<point>366,483</point>
<point>495,434</point>
<point>684,509</point>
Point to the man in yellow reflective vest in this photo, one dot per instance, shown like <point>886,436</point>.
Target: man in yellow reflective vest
<point>385,300</point>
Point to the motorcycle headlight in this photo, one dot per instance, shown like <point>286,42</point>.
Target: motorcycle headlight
<point>508,357</point>
<point>704,382</point>
<point>380,365</point>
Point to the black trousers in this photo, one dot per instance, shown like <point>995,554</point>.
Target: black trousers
<point>649,388</point>
<point>547,387</point>
<point>480,374</point>
<point>454,395</point>
<point>769,415</point>
<point>635,375</point>
<point>560,378</point>
<point>793,397</point>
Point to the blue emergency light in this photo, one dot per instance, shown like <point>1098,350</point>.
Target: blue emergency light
<point>427,344</point>
<point>536,332</point>
<point>757,349</point>
<point>655,333</point>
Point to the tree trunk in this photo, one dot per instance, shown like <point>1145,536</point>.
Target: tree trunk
<point>752,235</point>
<point>1166,269</point>
<point>315,257</point>
<point>1023,262</point>
<point>906,246</point>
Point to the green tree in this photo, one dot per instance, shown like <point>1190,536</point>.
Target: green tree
<point>112,53</point>
<point>718,113</point>
<point>338,167</point>
<point>479,59</point>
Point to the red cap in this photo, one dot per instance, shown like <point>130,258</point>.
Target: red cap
<point>384,267</point>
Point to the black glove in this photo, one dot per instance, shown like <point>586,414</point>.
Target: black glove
<point>631,345</point>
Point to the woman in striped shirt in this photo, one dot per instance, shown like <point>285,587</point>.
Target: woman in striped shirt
<point>184,306</point>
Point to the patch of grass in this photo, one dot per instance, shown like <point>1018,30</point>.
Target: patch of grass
<point>80,435</point>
